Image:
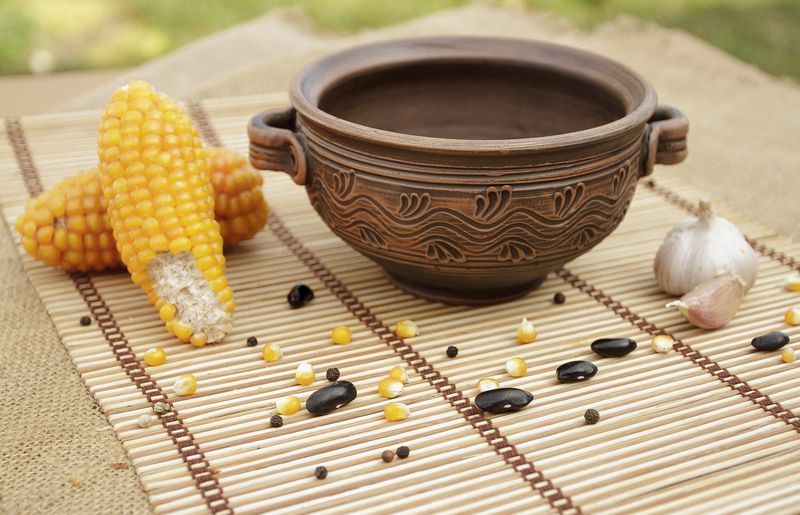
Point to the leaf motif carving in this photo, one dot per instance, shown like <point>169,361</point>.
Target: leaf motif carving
<point>371,237</point>
<point>492,203</point>
<point>413,204</point>
<point>618,182</point>
<point>584,236</point>
<point>516,250</point>
<point>444,251</point>
<point>343,181</point>
<point>569,199</point>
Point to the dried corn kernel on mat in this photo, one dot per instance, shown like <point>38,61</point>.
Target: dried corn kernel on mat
<point>708,427</point>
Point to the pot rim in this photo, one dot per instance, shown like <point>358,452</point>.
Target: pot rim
<point>314,80</point>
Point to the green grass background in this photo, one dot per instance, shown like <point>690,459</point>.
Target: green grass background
<point>90,34</point>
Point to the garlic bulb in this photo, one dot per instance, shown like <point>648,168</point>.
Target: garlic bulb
<point>714,303</point>
<point>696,251</point>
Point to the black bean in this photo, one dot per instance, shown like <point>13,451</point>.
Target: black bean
<point>300,295</point>
<point>559,298</point>
<point>85,320</point>
<point>592,416</point>
<point>276,421</point>
<point>332,374</point>
<point>576,371</point>
<point>503,400</point>
<point>330,397</point>
<point>321,472</point>
<point>452,351</point>
<point>252,341</point>
<point>613,347</point>
<point>770,341</point>
<point>403,452</point>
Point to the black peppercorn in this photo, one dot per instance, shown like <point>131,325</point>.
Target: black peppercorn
<point>252,341</point>
<point>559,298</point>
<point>300,295</point>
<point>85,320</point>
<point>403,452</point>
<point>332,374</point>
<point>321,472</point>
<point>387,456</point>
<point>276,421</point>
<point>591,416</point>
<point>452,351</point>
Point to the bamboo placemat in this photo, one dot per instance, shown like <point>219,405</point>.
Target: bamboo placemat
<point>709,427</point>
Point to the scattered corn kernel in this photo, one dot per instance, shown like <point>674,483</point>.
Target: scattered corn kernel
<point>399,373</point>
<point>662,343</point>
<point>792,282</point>
<point>288,405</point>
<point>185,385</point>
<point>271,352</point>
<point>155,356</point>
<point>161,407</point>
<point>305,374</point>
<point>145,421</point>
<point>787,355</point>
<point>395,411</point>
<point>341,335</point>
<point>526,332</point>
<point>487,383</point>
<point>406,329</point>
<point>390,387</point>
<point>516,367</point>
<point>792,316</point>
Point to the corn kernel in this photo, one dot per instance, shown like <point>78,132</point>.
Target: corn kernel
<point>406,329</point>
<point>487,383</point>
<point>198,339</point>
<point>271,352</point>
<point>526,332</point>
<point>395,411</point>
<point>390,387</point>
<point>288,405</point>
<point>787,355</point>
<point>341,335</point>
<point>399,373</point>
<point>663,343</point>
<point>155,356</point>
<point>792,282</point>
<point>792,315</point>
<point>185,385</point>
<point>305,374</point>
<point>516,367</point>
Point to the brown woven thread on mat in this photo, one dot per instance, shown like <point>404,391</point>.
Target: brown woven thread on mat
<point>685,204</point>
<point>709,365</point>
<point>195,460</point>
<point>498,441</point>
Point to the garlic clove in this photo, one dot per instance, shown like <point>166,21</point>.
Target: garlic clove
<point>714,303</point>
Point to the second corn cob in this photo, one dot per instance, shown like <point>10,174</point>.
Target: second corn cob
<point>161,208</point>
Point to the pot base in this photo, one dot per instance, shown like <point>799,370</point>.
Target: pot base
<point>463,297</point>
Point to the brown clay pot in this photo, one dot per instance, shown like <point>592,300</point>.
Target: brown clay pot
<point>469,168</point>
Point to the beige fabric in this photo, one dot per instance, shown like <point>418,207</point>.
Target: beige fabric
<point>742,150</point>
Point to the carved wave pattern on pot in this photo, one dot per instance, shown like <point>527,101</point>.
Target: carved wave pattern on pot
<point>568,200</point>
<point>492,203</point>
<point>371,236</point>
<point>343,182</point>
<point>414,204</point>
<point>516,250</point>
<point>443,251</point>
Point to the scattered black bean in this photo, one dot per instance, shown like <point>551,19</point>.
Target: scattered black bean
<point>503,400</point>
<point>576,371</point>
<point>300,295</point>
<point>403,452</point>
<point>252,341</point>
<point>770,341</point>
<point>85,320</point>
<point>332,374</point>
<point>592,416</point>
<point>330,397</point>
<point>559,298</point>
<point>387,456</point>
<point>452,351</point>
<point>276,421</point>
<point>321,472</point>
<point>613,347</point>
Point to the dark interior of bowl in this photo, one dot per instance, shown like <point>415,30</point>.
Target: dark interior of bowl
<point>472,100</point>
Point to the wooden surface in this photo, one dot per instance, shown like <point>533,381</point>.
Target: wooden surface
<point>710,427</point>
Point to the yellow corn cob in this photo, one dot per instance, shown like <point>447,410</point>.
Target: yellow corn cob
<point>161,207</point>
<point>83,244</point>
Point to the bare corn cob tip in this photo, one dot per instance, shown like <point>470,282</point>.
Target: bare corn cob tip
<point>67,226</point>
<point>155,180</point>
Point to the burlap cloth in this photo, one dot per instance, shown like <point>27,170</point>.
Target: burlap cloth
<point>744,139</point>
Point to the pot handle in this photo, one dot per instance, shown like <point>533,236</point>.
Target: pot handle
<point>665,139</point>
<point>274,144</point>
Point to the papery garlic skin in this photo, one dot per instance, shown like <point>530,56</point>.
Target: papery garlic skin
<point>696,251</point>
<point>714,303</point>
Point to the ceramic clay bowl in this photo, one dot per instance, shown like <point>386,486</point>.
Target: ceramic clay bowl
<point>469,168</point>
